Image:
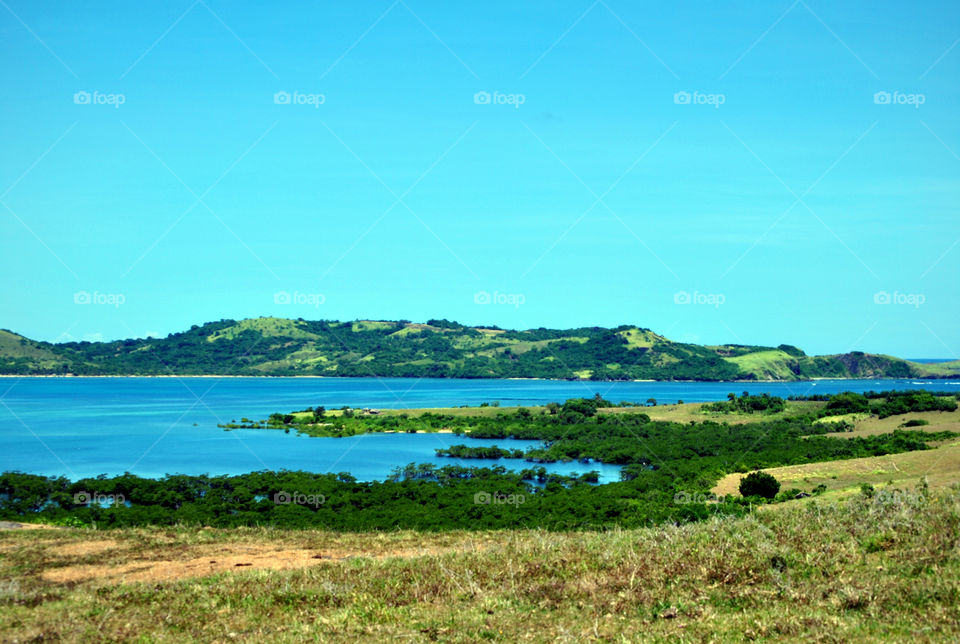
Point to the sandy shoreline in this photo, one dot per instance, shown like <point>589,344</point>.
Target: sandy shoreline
<point>419,431</point>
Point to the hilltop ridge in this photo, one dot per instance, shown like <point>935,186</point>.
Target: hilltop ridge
<point>271,346</point>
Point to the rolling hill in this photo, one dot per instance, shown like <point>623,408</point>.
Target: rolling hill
<point>285,347</point>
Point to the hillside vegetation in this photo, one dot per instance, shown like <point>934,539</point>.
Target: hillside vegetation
<point>441,349</point>
<point>884,567</point>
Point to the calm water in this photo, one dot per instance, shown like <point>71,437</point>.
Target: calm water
<point>80,427</point>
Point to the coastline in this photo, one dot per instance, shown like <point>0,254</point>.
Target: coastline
<point>308,376</point>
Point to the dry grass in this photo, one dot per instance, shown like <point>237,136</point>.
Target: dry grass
<point>881,569</point>
<point>940,467</point>
<point>458,411</point>
<point>694,412</point>
<point>866,425</point>
<point>674,413</point>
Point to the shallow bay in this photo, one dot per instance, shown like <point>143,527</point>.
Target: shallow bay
<point>78,427</point>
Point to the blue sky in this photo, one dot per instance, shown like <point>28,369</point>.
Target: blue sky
<point>715,173</point>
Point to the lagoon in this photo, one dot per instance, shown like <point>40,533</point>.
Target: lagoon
<point>79,427</point>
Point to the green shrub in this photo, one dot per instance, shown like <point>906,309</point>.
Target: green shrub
<point>759,484</point>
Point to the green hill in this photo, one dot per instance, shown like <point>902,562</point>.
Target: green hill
<point>20,355</point>
<point>440,348</point>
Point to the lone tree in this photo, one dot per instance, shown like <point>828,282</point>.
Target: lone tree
<point>759,484</point>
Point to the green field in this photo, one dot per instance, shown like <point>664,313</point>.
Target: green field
<point>945,369</point>
<point>863,569</point>
<point>768,365</point>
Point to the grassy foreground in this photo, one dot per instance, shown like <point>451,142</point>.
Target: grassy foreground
<point>878,568</point>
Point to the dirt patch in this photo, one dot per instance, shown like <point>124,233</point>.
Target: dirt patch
<point>15,525</point>
<point>171,570</point>
<point>203,562</point>
<point>85,548</point>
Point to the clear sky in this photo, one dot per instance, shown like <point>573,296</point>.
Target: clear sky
<point>718,172</point>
